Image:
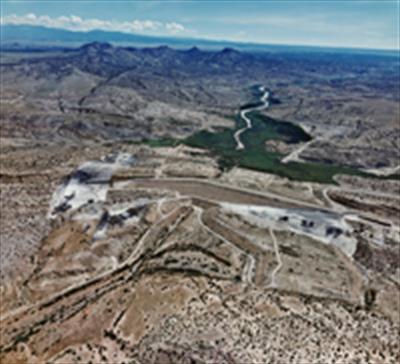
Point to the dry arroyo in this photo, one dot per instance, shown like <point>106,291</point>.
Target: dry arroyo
<point>243,114</point>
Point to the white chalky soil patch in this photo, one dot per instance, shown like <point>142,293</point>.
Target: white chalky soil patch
<point>326,227</point>
<point>88,184</point>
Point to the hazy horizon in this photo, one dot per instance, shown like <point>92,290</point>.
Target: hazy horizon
<point>303,23</point>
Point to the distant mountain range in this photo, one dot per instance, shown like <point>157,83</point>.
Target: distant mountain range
<point>20,36</point>
<point>27,34</point>
<point>107,60</point>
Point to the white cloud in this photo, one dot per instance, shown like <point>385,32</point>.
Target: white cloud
<point>174,28</point>
<point>31,16</point>
<point>76,23</point>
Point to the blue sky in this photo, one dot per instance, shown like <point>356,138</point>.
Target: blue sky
<point>339,23</point>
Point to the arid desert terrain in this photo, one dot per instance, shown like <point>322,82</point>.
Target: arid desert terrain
<point>198,206</point>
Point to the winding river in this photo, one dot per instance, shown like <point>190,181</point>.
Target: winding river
<point>265,103</point>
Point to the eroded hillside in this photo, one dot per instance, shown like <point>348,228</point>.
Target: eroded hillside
<point>158,255</point>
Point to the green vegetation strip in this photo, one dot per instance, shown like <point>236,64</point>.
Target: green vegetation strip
<point>255,155</point>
